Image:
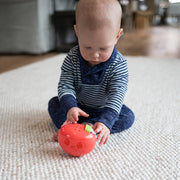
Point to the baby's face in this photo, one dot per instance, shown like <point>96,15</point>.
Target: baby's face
<point>96,46</point>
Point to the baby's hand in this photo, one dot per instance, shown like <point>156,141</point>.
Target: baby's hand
<point>103,132</point>
<point>73,115</point>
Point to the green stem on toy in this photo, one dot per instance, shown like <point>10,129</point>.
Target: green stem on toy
<point>88,128</point>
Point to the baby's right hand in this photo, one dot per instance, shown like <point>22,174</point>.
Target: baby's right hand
<point>73,115</point>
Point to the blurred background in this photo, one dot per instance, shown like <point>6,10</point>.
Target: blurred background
<point>32,30</point>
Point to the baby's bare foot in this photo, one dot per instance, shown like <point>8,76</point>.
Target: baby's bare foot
<point>55,137</point>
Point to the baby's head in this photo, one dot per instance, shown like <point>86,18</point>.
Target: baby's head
<point>97,28</point>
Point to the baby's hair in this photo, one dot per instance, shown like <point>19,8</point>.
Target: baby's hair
<point>96,13</point>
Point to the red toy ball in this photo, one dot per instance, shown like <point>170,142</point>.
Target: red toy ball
<point>76,139</point>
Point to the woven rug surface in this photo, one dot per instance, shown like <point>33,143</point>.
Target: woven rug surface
<point>149,150</point>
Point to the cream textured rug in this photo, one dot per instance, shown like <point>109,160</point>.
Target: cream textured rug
<point>150,150</point>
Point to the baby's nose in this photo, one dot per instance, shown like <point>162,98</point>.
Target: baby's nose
<point>95,54</point>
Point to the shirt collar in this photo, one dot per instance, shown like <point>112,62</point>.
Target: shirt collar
<point>98,67</point>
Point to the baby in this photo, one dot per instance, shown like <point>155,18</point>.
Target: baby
<point>94,75</point>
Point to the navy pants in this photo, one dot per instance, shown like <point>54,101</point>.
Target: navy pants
<point>58,115</point>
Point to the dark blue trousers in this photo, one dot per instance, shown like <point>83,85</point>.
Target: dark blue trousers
<point>58,116</point>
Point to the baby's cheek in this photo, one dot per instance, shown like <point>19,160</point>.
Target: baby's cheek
<point>105,57</point>
<point>84,55</point>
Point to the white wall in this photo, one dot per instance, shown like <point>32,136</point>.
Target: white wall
<point>65,4</point>
<point>174,9</point>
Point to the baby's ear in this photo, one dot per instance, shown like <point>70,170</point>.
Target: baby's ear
<point>119,34</point>
<point>75,29</point>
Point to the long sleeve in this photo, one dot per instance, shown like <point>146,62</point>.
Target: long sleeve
<point>66,89</point>
<point>117,88</point>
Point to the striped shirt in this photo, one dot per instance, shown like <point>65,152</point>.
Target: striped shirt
<point>101,87</point>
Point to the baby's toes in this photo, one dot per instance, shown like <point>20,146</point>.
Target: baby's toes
<point>55,137</point>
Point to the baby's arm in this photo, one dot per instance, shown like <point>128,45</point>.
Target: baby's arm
<point>73,115</point>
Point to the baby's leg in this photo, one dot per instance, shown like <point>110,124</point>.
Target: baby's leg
<point>57,112</point>
<point>58,115</point>
<point>125,121</point>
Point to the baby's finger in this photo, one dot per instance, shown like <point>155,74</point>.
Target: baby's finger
<point>106,140</point>
<point>66,122</point>
<point>82,113</point>
<point>75,117</point>
<point>100,135</point>
<point>97,129</point>
<point>102,141</point>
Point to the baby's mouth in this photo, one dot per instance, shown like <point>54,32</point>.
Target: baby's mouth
<point>95,61</point>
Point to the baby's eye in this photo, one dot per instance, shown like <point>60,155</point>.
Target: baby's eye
<point>87,48</point>
<point>103,49</point>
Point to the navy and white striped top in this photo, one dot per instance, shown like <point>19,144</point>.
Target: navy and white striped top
<point>101,87</point>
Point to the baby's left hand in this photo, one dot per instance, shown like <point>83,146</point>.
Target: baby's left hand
<point>103,131</point>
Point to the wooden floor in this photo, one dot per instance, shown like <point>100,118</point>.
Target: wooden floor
<point>161,41</point>
<point>9,62</point>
